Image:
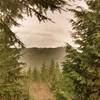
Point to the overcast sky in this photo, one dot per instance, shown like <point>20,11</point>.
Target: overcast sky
<point>48,34</point>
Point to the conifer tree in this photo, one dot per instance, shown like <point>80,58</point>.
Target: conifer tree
<point>55,76</point>
<point>57,83</point>
<point>82,65</point>
<point>10,69</point>
<point>45,72</point>
<point>36,74</point>
<point>51,71</point>
<point>29,74</point>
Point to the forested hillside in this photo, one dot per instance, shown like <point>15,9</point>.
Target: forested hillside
<point>35,57</point>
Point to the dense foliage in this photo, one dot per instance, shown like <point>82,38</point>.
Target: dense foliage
<point>11,9</point>
<point>82,65</point>
<point>10,70</point>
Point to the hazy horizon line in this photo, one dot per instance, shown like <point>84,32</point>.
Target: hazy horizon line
<point>47,47</point>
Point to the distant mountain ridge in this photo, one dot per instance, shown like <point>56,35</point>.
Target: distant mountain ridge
<point>35,57</point>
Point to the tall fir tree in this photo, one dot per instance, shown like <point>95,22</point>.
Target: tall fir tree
<point>57,83</point>
<point>82,65</point>
<point>10,69</point>
<point>36,74</point>
<point>45,72</point>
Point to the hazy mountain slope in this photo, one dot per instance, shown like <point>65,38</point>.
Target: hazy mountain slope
<point>35,57</point>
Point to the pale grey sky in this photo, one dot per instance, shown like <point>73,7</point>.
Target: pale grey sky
<point>48,34</point>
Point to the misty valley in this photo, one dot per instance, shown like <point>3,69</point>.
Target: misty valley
<point>36,57</point>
